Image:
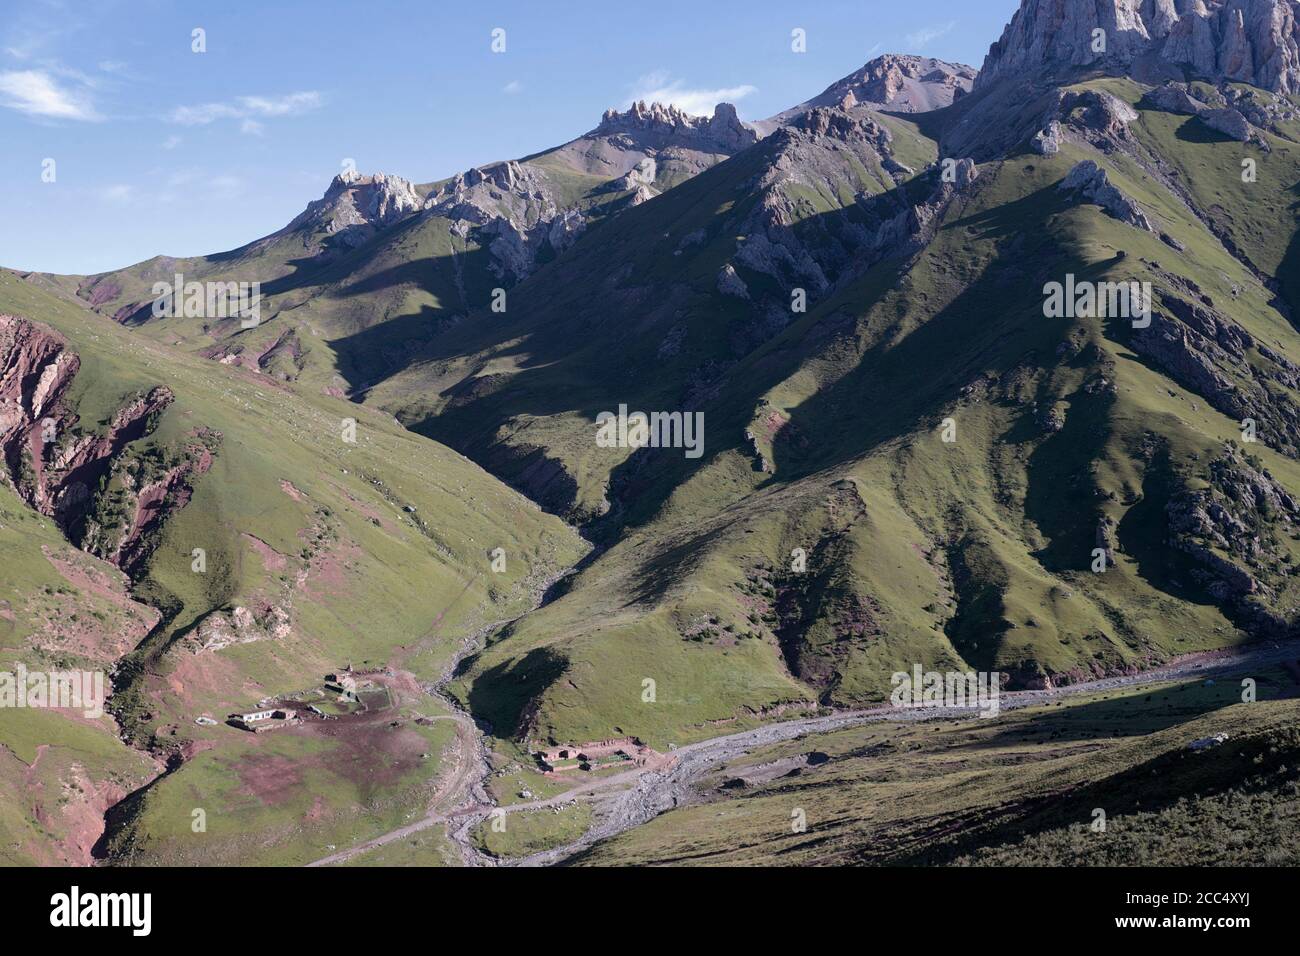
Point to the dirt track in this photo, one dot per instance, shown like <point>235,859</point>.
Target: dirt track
<point>634,797</point>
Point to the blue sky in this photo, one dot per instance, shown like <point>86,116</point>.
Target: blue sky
<point>158,149</point>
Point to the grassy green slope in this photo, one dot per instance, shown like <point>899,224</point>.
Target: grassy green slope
<point>523,388</point>
<point>826,439</point>
<point>375,549</point>
<point>977,551</point>
<point>59,770</point>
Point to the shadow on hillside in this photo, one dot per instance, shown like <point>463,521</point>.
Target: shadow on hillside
<point>498,696</point>
<point>1195,131</point>
<point>578,348</point>
<point>1061,497</point>
<point>1143,530</point>
<point>1147,787</point>
<point>331,265</point>
<point>1124,715</point>
<point>380,335</point>
<point>1288,271</point>
<point>990,326</point>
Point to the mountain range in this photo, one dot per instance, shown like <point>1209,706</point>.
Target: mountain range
<point>908,457</point>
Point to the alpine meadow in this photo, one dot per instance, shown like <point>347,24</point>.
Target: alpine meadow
<point>909,477</point>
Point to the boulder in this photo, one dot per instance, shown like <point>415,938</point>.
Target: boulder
<point>1228,122</point>
<point>1090,182</point>
<point>1047,141</point>
<point>1174,98</point>
<point>729,283</point>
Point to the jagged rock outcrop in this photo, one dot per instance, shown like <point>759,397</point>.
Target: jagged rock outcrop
<point>1263,109</point>
<point>640,193</point>
<point>1102,117</point>
<point>1207,353</point>
<point>1235,112</point>
<point>354,207</point>
<point>661,125</point>
<point>1047,141</point>
<point>516,211</point>
<point>1248,41</point>
<point>1090,183</point>
<point>1234,528</point>
<point>1174,97</point>
<point>512,209</point>
<point>853,127</point>
<point>222,629</point>
<point>481,183</point>
<point>642,175</point>
<point>36,369</point>
<point>565,229</point>
<point>819,245</point>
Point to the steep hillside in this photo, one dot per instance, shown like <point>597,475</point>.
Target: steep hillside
<point>1170,449</point>
<point>689,283</point>
<point>60,610</point>
<point>994,372</point>
<point>945,553</point>
<point>269,538</point>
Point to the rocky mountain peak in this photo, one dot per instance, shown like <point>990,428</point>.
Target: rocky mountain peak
<point>378,198</point>
<point>355,205</point>
<point>909,84</point>
<point>674,126</point>
<point>663,116</point>
<point>1248,41</point>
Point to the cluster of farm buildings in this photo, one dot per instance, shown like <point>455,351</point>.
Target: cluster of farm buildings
<point>596,755</point>
<point>343,682</point>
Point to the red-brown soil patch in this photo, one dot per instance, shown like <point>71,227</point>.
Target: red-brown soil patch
<point>270,778</point>
<point>272,559</point>
<point>72,816</point>
<point>371,753</point>
<point>210,678</point>
<point>328,574</point>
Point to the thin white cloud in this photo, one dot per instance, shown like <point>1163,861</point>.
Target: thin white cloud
<point>118,193</point>
<point>226,187</point>
<point>171,142</point>
<point>251,127</point>
<point>513,87</point>
<point>925,35</point>
<point>659,87</point>
<point>193,183</point>
<point>247,107</point>
<point>37,93</point>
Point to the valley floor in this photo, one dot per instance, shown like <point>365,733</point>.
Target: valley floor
<point>630,812</point>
